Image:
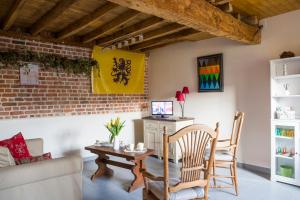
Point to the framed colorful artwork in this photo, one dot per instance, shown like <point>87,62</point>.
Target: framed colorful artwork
<point>210,73</point>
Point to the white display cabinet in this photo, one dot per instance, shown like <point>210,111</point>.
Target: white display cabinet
<point>153,134</point>
<point>285,120</point>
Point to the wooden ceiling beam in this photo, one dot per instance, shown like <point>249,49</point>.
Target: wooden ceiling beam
<point>12,14</point>
<point>165,30</point>
<point>43,37</point>
<point>174,37</point>
<point>157,46</point>
<point>86,21</point>
<point>115,23</point>
<point>51,15</point>
<point>197,14</point>
<point>129,31</point>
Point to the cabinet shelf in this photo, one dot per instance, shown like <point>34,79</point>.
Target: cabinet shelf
<point>287,96</point>
<point>284,137</point>
<point>283,156</point>
<point>286,120</point>
<point>287,77</point>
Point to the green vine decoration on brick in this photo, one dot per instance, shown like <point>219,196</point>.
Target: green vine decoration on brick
<point>76,66</point>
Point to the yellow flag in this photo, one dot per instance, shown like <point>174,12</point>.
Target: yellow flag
<point>118,72</point>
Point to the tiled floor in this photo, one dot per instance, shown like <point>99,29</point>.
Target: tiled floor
<point>252,186</point>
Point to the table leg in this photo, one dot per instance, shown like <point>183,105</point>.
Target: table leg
<point>102,167</point>
<point>138,176</point>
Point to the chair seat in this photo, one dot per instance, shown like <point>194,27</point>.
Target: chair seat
<point>222,155</point>
<point>157,188</point>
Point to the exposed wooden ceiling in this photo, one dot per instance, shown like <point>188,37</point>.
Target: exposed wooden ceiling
<point>89,22</point>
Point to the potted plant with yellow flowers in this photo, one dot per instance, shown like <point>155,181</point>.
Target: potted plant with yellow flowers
<point>114,126</point>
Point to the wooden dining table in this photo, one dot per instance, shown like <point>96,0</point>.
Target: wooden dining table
<point>136,158</point>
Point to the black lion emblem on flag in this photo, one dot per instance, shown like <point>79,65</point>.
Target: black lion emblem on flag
<point>121,70</point>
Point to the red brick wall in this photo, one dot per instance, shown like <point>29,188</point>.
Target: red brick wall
<point>58,93</point>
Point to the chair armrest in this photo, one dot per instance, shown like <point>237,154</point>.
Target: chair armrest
<point>225,148</point>
<point>151,176</point>
<point>39,171</point>
<point>224,140</point>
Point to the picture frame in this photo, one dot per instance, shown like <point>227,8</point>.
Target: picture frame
<point>210,73</point>
<point>29,74</point>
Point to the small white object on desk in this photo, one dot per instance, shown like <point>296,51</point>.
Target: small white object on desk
<point>135,150</point>
<point>102,144</point>
<point>130,147</point>
<point>140,146</point>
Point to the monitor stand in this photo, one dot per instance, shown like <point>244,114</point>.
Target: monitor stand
<point>164,116</point>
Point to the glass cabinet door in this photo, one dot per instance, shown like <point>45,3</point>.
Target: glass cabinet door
<point>285,151</point>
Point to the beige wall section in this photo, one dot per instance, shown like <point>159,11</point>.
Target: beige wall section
<point>246,76</point>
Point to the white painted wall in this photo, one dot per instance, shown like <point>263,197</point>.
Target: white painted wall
<point>246,75</point>
<point>70,134</point>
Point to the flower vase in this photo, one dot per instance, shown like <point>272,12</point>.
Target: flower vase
<point>116,143</point>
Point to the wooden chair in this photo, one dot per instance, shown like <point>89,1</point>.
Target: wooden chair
<point>226,154</point>
<point>194,180</point>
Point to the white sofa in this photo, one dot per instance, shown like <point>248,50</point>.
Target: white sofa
<point>57,179</point>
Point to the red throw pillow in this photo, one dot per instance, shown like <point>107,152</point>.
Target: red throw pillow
<point>17,146</point>
<point>45,156</point>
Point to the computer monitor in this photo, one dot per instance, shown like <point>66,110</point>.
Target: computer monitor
<point>162,108</point>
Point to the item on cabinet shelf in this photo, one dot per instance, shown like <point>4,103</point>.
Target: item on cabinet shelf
<point>277,131</point>
<point>284,69</point>
<point>285,112</point>
<point>278,150</point>
<point>284,150</point>
<point>292,151</point>
<point>114,127</point>
<point>287,54</point>
<point>286,89</point>
<point>286,171</point>
<point>284,132</point>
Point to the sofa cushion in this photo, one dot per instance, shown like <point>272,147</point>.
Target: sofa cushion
<point>17,146</point>
<point>35,146</point>
<point>35,172</point>
<point>6,158</point>
<point>157,188</point>
<point>45,156</point>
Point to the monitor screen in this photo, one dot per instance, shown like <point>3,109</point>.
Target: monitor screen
<point>162,107</point>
